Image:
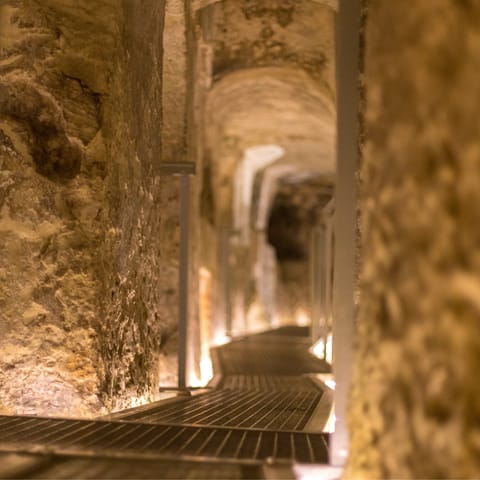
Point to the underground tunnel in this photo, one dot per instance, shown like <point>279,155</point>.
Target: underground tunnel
<point>238,239</point>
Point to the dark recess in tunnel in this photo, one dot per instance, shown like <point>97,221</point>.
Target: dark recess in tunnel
<point>284,226</point>
<point>296,209</point>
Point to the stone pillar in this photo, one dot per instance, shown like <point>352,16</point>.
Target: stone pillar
<point>88,263</point>
<point>53,84</point>
<point>415,409</point>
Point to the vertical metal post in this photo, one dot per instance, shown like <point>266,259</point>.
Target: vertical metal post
<point>328,213</point>
<point>225,286</point>
<point>323,326</point>
<point>183,170</point>
<point>316,274</point>
<point>348,32</point>
<point>183,281</point>
<point>328,272</point>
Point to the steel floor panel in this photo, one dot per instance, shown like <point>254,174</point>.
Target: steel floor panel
<point>100,437</point>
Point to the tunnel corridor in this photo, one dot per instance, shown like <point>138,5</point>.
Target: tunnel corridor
<point>265,411</point>
<point>227,110</point>
<point>213,210</point>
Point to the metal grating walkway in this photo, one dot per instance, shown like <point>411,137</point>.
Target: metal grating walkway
<point>269,355</point>
<point>67,436</point>
<point>259,382</point>
<point>258,411</point>
<point>269,410</point>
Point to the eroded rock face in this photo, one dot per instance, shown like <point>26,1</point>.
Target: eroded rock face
<point>49,235</point>
<point>54,154</point>
<point>414,407</point>
<point>140,248</point>
<point>84,241</point>
<point>288,33</point>
<point>52,167</point>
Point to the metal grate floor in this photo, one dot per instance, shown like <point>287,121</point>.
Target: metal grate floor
<point>279,383</point>
<point>100,437</point>
<point>269,410</point>
<point>269,356</point>
<point>257,412</point>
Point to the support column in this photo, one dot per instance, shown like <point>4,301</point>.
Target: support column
<point>328,213</point>
<point>321,261</point>
<point>182,170</point>
<point>348,31</point>
<point>183,281</point>
<point>224,254</point>
<point>317,276</point>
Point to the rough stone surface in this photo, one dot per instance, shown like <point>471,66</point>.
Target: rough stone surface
<point>288,33</point>
<point>94,94</point>
<point>414,407</point>
<point>271,71</point>
<point>140,249</point>
<point>88,263</point>
<point>52,166</point>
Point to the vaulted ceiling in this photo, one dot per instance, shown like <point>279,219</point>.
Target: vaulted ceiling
<point>268,72</point>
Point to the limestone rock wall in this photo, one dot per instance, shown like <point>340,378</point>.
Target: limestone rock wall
<point>53,76</point>
<point>140,245</point>
<point>414,407</point>
<point>249,34</point>
<point>88,232</point>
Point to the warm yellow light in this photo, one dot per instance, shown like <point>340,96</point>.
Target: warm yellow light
<point>256,318</point>
<point>206,373</point>
<point>194,381</point>
<point>330,425</point>
<point>318,349</point>
<point>206,369</point>
<point>316,472</point>
<point>302,319</point>
<point>276,322</point>
<point>205,310</point>
<point>221,339</point>
<point>330,384</point>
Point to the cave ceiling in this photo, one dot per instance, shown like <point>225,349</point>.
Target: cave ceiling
<point>271,84</point>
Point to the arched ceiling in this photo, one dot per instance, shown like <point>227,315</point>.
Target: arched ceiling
<point>269,106</point>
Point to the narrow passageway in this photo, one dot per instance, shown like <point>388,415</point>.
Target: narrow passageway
<point>178,174</point>
<point>265,404</point>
